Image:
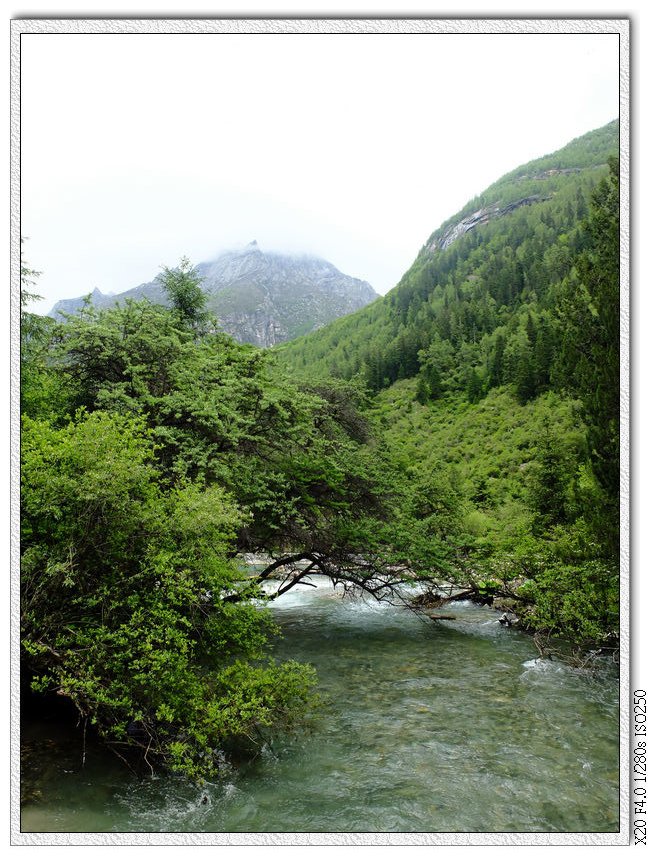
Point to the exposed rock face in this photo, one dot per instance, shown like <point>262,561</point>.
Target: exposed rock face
<point>479,217</point>
<point>261,297</point>
<point>550,172</point>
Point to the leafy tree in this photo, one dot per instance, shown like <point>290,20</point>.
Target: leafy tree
<point>43,389</point>
<point>549,482</point>
<point>296,459</point>
<point>28,277</point>
<point>572,594</point>
<point>126,600</point>
<point>436,362</point>
<point>543,353</point>
<point>183,288</point>
<point>524,377</point>
<point>474,386</point>
<point>495,363</point>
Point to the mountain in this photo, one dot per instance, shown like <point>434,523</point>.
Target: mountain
<point>259,297</point>
<point>479,296</point>
<point>492,373</point>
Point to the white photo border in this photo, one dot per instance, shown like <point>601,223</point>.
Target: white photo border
<point>325,25</point>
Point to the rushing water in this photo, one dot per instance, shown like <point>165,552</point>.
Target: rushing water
<point>449,726</point>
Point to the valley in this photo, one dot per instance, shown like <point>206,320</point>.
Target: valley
<point>238,478</point>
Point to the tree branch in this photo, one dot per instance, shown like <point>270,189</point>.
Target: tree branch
<point>285,586</point>
<point>269,569</point>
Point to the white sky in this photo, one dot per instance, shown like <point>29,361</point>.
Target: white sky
<point>138,149</point>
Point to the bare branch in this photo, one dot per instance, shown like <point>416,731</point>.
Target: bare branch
<point>285,586</point>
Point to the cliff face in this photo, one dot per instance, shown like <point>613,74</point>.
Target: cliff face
<point>480,217</point>
<point>263,298</point>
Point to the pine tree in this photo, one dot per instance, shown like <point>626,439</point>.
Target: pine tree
<point>183,288</point>
<point>589,315</point>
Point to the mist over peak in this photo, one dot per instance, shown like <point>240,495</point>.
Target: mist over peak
<point>259,296</point>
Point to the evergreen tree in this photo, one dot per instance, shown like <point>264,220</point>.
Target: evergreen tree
<point>183,288</point>
<point>589,364</point>
<point>525,373</point>
<point>474,387</point>
<point>495,367</point>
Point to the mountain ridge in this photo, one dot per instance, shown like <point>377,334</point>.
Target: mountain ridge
<point>501,252</point>
<point>259,297</point>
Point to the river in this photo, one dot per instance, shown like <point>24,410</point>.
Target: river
<point>449,726</point>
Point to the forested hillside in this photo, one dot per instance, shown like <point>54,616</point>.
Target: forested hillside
<point>496,361</point>
<point>477,311</point>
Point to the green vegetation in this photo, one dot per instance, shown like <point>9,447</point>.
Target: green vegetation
<point>481,312</point>
<point>535,532</point>
<point>155,451</point>
<point>182,286</point>
<point>129,575</point>
<point>463,429</point>
<point>123,599</point>
<point>497,357</point>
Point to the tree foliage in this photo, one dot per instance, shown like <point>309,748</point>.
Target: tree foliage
<point>182,285</point>
<point>589,305</point>
<point>525,305</point>
<point>123,609</point>
<point>170,456</point>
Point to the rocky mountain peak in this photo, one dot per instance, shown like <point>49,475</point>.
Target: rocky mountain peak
<point>261,297</point>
